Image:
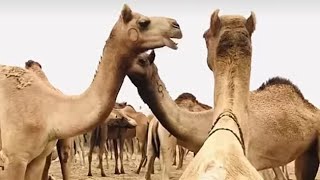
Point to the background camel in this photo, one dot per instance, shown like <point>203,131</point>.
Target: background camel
<point>288,123</point>
<point>64,146</point>
<point>162,144</point>
<point>78,149</point>
<point>222,155</point>
<point>51,116</point>
<point>113,128</point>
<point>141,130</point>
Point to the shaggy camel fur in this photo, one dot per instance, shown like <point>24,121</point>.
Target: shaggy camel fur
<point>162,144</point>
<point>222,155</point>
<point>51,115</point>
<point>63,145</point>
<point>288,123</point>
<point>141,130</point>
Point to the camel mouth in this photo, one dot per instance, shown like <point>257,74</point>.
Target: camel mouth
<point>170,43</point>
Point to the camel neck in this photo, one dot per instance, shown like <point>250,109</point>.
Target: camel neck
<point>81,113</point>
<point>179,122</point>
<point>231,82</point>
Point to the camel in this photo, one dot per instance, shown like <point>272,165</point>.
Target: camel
<point>141,130</point>
<point>222,155</point>
<point>182,153</point>
<point>160,142</point>
<point>78,149</point>
<point>51,115</point>
<point>288,122</point>
<point>63,145</point>
<point>113,128</point>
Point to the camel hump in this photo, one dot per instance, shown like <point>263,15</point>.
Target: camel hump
<point>20,76</point>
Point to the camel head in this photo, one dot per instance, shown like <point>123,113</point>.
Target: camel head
<point>141,33</point>
<point>32,64</point>
<point>142,68</point>
<point>120,105</point>
<point>227,35</point>
<point>116,119</point>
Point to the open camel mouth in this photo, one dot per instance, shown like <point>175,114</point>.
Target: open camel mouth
<point>170,43</point>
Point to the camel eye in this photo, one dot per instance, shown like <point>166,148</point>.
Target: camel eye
<point>142,62</point>
<point>144,23</point>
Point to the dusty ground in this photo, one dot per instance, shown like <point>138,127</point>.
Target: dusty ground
<point>80,172</point>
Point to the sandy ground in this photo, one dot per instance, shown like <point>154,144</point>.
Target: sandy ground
<point>80,172</point>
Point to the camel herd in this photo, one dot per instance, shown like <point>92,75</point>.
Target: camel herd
<point>244,135</point>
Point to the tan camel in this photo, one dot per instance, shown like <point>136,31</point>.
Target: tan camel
<point>162,144</point>
<point>141,130</point>
<point>113,128</point>
<point>51,116</point>
<point>222,155</point>
<point>63,145</point>
<point>78,149</point>
<point>288,123</point>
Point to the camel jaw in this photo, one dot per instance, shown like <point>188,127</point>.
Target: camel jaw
<point>170,43</point>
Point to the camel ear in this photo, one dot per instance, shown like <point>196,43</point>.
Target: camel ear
<point>152,56</point>
<point>215,23</point>
<point>251,23</point>
<point>28,63</point>
<point>126,13</point>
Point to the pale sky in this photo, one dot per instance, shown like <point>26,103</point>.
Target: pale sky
<point>67,39</point>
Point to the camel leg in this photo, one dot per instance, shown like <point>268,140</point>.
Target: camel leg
<point>174,162</point>
<point>121,154</point>
<point>145,162</point>
<point>82,150</point>
<point>15,170</point>
<point>181,157</point>
<point>168,145</point>
<point>35,169</point>
<point>131,145</point>
<point>106,151</point>
<point>165,164</point>
<point>143,156</point>
<point>133,141</point>
<point>103,138</point>
<point>115,148</point>
<point>111,148</point>
<point>45,174</point>
<point>150,164</point>
<point>306,165</point>
<point>78,150</point>
<point>267,174</point>
<point>285,171</point>
<point>167,149</point>
<point>126,148</point>
<point>100,155</point>
<point>90,154</point>
<point>64,153</point>
<point>279,174</point>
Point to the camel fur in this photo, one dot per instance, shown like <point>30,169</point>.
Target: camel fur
<point>222,155</point>
<point>30,129</point>
<point>279,116</point>
<point>162,144</point>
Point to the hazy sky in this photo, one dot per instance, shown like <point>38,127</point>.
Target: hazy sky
<point>67,39</point>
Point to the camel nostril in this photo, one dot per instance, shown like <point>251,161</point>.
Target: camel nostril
<point>175,25</point>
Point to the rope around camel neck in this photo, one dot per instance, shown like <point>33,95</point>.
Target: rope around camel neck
<point>234,118</point>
